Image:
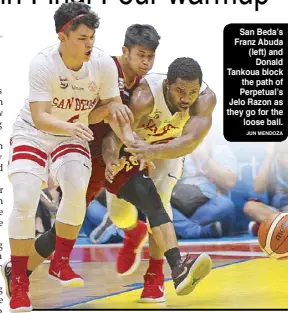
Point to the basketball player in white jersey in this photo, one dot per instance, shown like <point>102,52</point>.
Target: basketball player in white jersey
<point>50,136</point>
<point>173,119</point>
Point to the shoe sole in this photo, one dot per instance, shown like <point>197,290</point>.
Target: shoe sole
<point>22,309</point>
<point>136,264</point>
<point>5,279</point>
<point>200,269</point>
<point>76,282</point>
<point>152,300</point>
<point>95,232</point>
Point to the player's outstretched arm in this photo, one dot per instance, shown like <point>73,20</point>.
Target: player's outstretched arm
<point>193,133</point>
<point>141,105</point>
<point>110,147</point>
<point>112,109</point>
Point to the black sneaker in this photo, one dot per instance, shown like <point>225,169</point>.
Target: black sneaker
<point>6,271</point>
<point>189,273</point>
<point>212,230</point>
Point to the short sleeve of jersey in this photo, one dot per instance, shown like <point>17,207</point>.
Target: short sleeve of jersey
<point>40,79</point>
<point>109,87</point>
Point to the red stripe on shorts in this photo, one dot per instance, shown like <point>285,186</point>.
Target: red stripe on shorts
<point>25,148</point>
<point>67,151</point>
<point>27,156</point>
<point>70,146</point>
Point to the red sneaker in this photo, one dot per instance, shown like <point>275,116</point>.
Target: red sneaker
<point>153,290</point>
<point>129,256</point>
<point>63,272</point>
<point>20,301</point>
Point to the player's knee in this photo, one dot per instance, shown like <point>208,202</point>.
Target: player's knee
<point>45,244</point>
<point>142,193</point>
<point>125,217</point>
<point>26,191</point>
<point>72,209</point>
<point>73,178</point>
<point>158,218</point>
<point>21,224</point>
<point>75,196</point>
<point>73,183</point>
<point>25,202</point>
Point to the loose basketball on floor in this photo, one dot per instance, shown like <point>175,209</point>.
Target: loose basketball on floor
<point>273,235</point>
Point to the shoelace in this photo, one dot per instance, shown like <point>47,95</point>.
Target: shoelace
<point>20,290</point>
<point>66,268</point>
<point>153,280</point>
<point>151,288</point>
<point>187,258</point>
<point>63,265</point>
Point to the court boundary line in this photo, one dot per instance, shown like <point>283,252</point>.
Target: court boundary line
<point>181,244</point>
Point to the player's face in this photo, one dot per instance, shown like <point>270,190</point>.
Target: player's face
<point>80,42</point>
<point>140,59</point>
<point>182,94</point>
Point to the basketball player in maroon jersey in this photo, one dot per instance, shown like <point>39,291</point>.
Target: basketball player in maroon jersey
<point>141,42</point>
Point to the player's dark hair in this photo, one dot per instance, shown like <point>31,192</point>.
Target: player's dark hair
<point>184,68</point>
<point>69,11</point>
<point>142,35</point>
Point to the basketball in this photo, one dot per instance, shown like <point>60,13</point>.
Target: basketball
<point>273,234</point>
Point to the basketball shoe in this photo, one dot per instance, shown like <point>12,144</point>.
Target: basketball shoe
<point>62,271</point>
<point>212,230</point>
<point>20,301</point>
<point>153,290</point>
<point>129,256</point>
<point>99,230</point>
<point>188,273</point>
<point>6,272</point>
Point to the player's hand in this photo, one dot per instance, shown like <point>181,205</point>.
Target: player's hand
<point>149,165</point>
<point>113,167</point>
<point>120,113</point>
<point>141,150</point>
<point>79,131</point>
<point>143,163</point>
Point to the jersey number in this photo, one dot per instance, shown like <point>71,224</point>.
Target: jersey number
<point>73,119</point>
<point>129,164</point>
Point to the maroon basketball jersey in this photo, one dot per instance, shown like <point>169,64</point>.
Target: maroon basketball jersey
<point>101,129</point>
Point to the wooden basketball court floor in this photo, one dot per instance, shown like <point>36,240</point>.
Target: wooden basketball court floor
<point>241,278</point>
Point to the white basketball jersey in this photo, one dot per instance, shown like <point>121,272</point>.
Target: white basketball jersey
<point>73,94</point>
<point>161,125</point>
